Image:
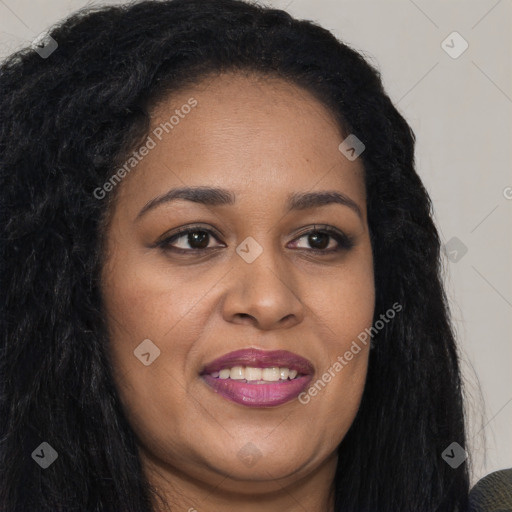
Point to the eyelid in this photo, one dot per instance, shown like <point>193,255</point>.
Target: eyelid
<point>345,241</point>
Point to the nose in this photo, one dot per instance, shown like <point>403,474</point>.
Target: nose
<point>263,293</point>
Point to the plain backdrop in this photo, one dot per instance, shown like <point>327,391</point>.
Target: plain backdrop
<point>459,104</point>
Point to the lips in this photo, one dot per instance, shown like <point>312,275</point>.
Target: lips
<point>259,393</point>
<point>261,359</point>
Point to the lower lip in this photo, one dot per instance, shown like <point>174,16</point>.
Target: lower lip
<point>258,395</point>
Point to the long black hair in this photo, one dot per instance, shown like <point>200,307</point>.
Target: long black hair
<point>67,120</point>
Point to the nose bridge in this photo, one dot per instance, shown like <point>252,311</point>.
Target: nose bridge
<point>262,263</point>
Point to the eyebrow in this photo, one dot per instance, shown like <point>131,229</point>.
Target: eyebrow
<point>214,196</point>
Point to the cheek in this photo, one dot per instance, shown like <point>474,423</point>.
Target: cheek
<point>146,302</point>
<point>344,307</point>
<point>343,301</point>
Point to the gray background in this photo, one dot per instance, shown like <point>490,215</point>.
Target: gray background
<point>460,109</point>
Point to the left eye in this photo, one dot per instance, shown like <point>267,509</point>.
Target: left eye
<point>198,240</point>
<point>319,240</point>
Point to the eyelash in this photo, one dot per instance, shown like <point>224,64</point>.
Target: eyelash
<point>344,241</point>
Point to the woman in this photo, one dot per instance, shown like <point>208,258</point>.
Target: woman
<point>221,275</point>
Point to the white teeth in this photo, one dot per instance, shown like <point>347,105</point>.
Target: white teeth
<point>271,374</point>
<point>253,374</point>
<point>237,372</point>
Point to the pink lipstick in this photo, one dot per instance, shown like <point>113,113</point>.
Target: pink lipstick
<point>258,378</point>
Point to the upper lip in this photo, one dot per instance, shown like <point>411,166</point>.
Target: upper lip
<point>260,359</point>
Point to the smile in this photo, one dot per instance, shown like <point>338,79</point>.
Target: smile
<point>257,378</point>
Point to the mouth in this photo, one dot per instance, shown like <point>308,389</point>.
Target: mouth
<point>258,378</point>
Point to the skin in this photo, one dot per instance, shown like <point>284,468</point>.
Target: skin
<point>262,139</point>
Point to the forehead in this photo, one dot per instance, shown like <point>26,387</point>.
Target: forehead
<point>259,136</point>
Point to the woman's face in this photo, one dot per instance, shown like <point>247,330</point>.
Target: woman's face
<point>248,277</point>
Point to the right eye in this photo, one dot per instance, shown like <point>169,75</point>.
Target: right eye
<point>197,239</point>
